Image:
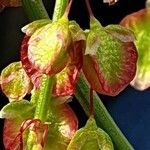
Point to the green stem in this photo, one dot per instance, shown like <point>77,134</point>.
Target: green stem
<point>60,6</point>
<point>35,9</point>
<point>43,101</point>
<point>103,118</point>
<point>41,98</point>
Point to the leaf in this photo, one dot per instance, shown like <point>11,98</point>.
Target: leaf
<point>15,83</point>
<point>113,64</point>
<point>10,3</point>
<point>30,28</point>
<point>65,80</point>
<point>48,47</point>
<point>90,137</point>
<point>139,23</point>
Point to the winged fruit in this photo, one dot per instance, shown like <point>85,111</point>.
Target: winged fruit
<point>110,58</point>
<point>139,23</point>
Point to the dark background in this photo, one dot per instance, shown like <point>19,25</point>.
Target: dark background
<point>130,109</point>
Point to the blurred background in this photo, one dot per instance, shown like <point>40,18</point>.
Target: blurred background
<point>130,109</point>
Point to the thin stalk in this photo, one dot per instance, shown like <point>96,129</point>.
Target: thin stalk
<point>60,6</point>
<point>89,8</point>
<point>68,8</point>
<point>103,118</point>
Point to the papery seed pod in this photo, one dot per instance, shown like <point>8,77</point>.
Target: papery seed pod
<point>61,121</point>
<point>63,124</point>
<point>14,116</point>
<point>48,47</point>
<point>90,137</point>
<point>14,81</point>
<point>31,71</point>
<point>139,23</point>
<point>65,80</point>
<point>110,58</point>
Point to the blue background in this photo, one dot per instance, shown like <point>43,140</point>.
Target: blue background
<point>130,109</point>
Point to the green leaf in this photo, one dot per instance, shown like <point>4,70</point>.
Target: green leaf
<point>90,137</point>
<point>15,82</point>
<point>110,63</point>
<point>139,23</point>
<point>30,28</point>
<point>15,110</point>
<point>48,47</point>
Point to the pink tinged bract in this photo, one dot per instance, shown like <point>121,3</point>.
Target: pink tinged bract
<point>65,80</point>
<point>110,64</point>
<point>48,47</point>
<point>139,23</point>
<point>14,81</point>
<point>31,71</point>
